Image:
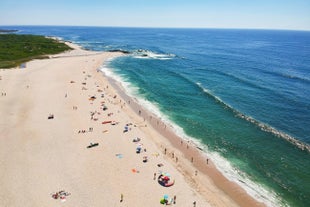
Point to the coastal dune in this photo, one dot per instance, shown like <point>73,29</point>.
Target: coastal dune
<point>67,136</point>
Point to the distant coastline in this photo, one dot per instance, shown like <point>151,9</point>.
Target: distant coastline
<point>8,30</point>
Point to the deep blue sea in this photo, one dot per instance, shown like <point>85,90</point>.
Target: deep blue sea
<point>242,95</point>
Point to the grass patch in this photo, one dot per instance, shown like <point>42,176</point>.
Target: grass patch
<point>17,49</point>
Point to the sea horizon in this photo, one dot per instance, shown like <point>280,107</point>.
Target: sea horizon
<point>151,27</point>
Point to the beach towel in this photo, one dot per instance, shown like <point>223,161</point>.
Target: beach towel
<point>134,170</point>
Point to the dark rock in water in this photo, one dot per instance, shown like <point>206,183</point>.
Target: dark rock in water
<point>8,30</point>
<point>119,50</point>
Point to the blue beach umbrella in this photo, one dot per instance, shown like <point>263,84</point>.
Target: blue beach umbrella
<point>166,197</point>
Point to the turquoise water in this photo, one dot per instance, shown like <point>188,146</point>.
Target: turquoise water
<point>241,94</point>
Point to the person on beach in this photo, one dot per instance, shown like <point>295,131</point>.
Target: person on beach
<point>144,159</point>
<point>122,197</point>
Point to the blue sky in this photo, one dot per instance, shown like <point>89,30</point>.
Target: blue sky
<point>260,14</point>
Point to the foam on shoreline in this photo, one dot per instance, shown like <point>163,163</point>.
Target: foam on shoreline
<point>152,113</point>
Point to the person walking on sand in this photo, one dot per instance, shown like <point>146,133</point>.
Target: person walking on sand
<point>122,197</point>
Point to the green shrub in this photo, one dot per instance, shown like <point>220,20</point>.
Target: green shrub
<point>16,49</point>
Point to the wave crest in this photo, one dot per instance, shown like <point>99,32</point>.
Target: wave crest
<point>261,125</point>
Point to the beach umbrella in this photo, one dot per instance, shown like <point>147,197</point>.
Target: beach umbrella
<point>166,197</point>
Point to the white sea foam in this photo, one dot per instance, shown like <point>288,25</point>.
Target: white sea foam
<point>147,54</point>
<point>254,189</point>
<point>261,125</point>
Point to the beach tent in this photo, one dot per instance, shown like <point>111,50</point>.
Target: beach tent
<point>164,179</point>
<point>162,201</point>
<point>165,200</point>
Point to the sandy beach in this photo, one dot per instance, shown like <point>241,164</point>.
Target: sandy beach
<point>69,138</point>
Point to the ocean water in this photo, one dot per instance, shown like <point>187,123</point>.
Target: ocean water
<point>242,95</point>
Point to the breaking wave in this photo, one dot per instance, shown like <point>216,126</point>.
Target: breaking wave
<point>147,54</point>
<point>263,126</point>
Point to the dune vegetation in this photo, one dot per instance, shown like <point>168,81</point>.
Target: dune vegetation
<point>17,49</point>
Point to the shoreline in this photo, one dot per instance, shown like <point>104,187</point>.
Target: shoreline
<point>214,191</point>
<point>194,157</point>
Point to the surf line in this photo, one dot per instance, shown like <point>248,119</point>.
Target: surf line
<point>262,126</point>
